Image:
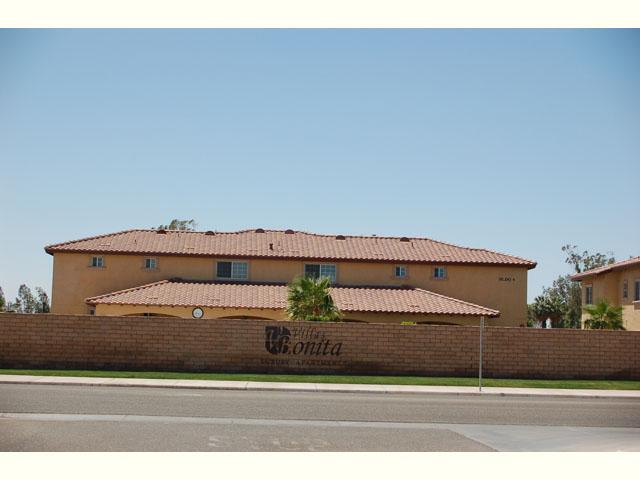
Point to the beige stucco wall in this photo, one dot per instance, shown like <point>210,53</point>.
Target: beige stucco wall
<point>609,286</point>
<point>497,287</point>
<point>270,314</point>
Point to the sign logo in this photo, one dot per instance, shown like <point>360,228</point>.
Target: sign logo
<point>276,339</point>
<point>299,341</point>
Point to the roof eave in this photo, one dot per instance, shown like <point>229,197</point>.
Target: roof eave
<point>523,264</point>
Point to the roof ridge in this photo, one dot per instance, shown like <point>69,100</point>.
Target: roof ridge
<point>457,300</point>
<point>225,282</point>
<point>126,290</point>
<point>373,287</point>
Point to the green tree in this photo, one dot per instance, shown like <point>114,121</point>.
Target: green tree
<point>549,305</point>
<point>26,300</point>
<point>586,261</point>
<point>562,301</point>
<point>602,316</point>
<point>309,299</point>
<point>3,302</point>
<point>175,224</point>
<point>15,306</point>
<point>42,305</point>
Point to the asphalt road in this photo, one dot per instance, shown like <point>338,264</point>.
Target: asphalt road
<point>70,418</point>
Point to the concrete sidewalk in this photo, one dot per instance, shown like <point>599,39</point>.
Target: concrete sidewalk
<point>313,387</point>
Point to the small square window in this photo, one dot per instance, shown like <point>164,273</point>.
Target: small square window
<point>312,270</point>
<point>224,270</point>
<point>150,263</point>
<point>401,271</point>
<point>97,262</point>
<point>439,273</point>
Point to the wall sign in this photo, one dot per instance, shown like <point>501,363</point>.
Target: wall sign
<point>303,341</point>
<point>301,346</point>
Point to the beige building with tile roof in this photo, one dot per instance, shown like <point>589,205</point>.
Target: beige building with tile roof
<point>619,283</point>
<point>244,274</point>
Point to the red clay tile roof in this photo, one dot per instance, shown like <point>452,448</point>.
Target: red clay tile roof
<point>283,245</point>
<point>631,262</point>
<point>184,293</point>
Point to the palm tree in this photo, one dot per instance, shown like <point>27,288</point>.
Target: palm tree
<point>603,315</point>
<point>309,299</point>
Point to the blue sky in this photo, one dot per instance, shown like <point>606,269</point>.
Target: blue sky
<point>515,140</point>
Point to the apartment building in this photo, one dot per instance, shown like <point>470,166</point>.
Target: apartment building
<point>244,274</point>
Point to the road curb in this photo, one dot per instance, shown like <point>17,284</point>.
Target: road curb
<point>313,387</point>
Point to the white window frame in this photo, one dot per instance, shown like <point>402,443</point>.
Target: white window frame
<point>233,263</point>
<point>150,259</point>
<point>444,273</point>
<point>98,263</point>
<point>402,269</point>
<point>335,270</point>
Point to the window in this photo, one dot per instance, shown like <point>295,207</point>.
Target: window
<point>401,271</point>
<point>150,263</point>
<point>233,270</point>
<point>625,289</point>
<point>588,295</point>
<point>320,270</point>
<point>439,273</point>
<point>97,262</point>
<point>637,295</point>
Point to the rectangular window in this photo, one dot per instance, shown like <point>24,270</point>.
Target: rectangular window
<point>439,273</point>
<point>625,289</point>
<point>637,295</point>
<point>97,262</point>
<point>401,271</point>
<point>321,270</point>
<point>150,263</point>
<point>233,270</point>
<point>239,270</point>
<point>588,295</point>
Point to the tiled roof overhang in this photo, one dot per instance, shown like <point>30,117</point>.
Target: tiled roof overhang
<point>287,245</point>
<point>629,263</point>
<point>182,293</point>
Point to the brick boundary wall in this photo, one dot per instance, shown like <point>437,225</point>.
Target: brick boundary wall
<point>174,344</point>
